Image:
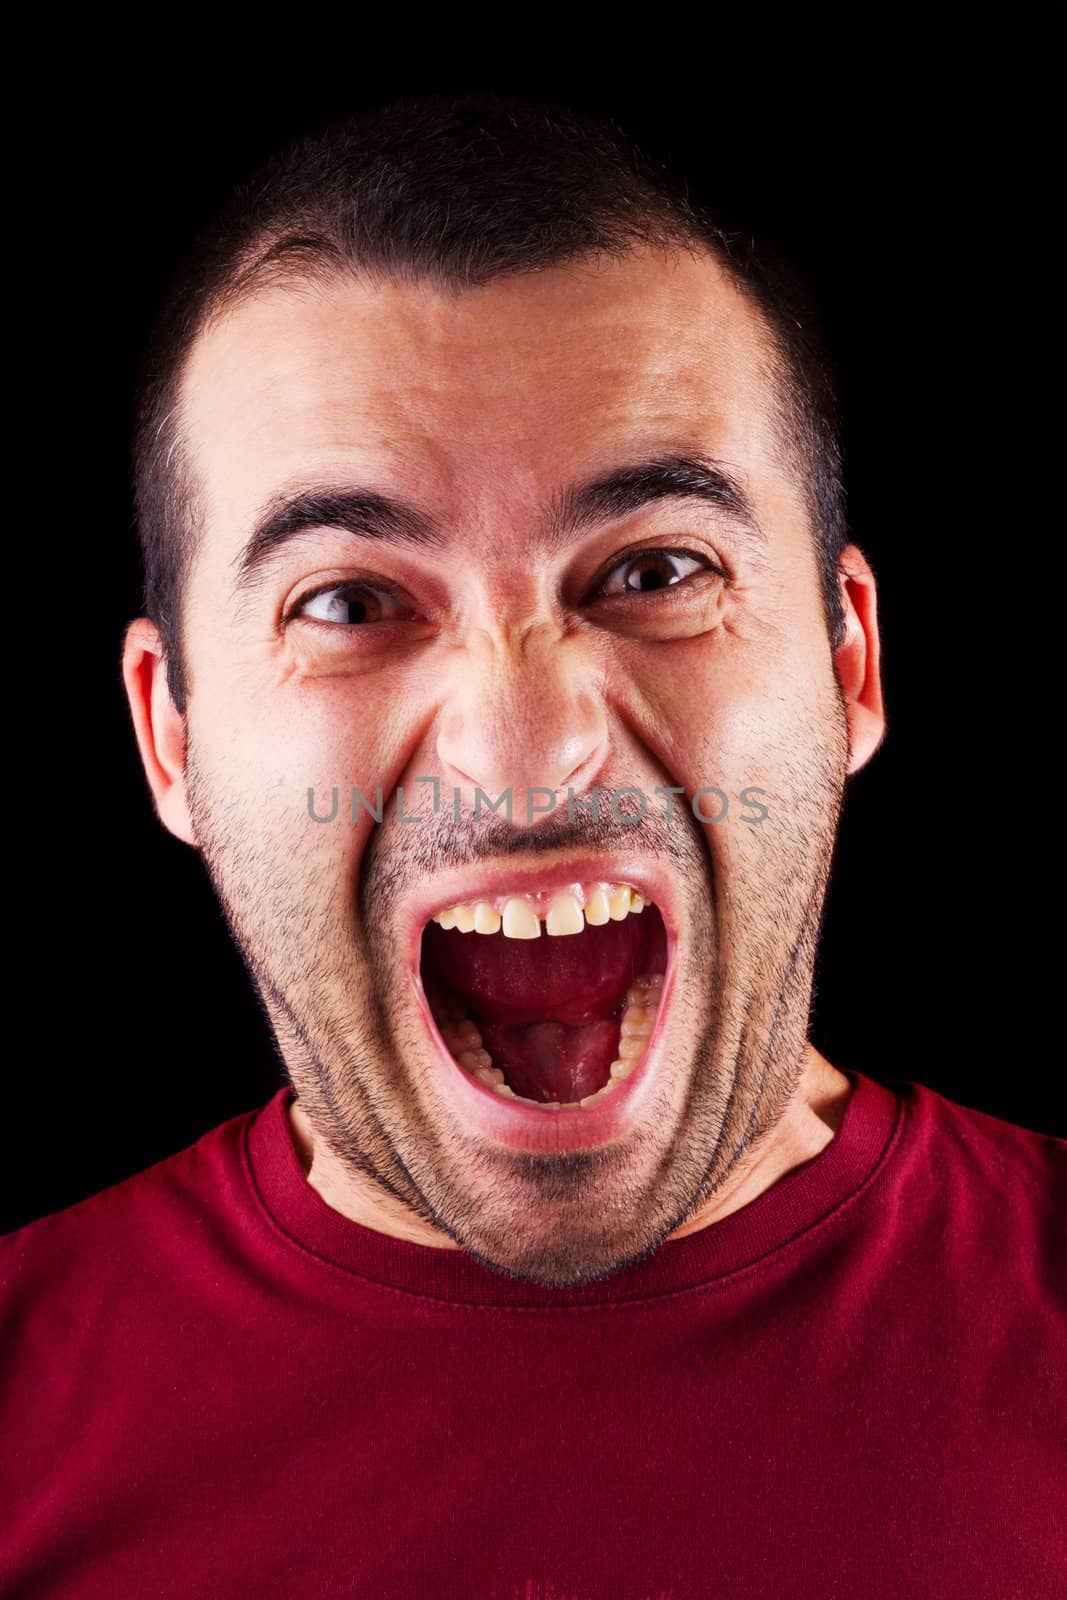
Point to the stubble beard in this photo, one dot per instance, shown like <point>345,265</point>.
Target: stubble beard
<point>332,987</point>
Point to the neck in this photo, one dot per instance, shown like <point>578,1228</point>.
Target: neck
<point>808,1124</point>
<point>811,1119</point>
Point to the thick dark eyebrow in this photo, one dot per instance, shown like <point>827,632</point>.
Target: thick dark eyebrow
<point>365,512</point>
<point>608,497</point>
<point>675,475</point>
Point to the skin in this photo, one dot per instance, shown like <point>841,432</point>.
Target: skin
<point>479,407</point>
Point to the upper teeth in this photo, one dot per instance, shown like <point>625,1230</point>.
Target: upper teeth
<point>566,911</point>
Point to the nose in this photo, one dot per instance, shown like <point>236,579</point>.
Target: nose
<point>522,715</point>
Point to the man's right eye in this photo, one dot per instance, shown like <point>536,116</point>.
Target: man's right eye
<point>350,604</point>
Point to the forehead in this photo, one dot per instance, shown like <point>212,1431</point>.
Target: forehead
<point>504,390</point>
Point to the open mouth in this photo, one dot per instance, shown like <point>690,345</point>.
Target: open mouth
<point>549,998</point>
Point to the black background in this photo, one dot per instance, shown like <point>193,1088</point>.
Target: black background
<point>909,204</point>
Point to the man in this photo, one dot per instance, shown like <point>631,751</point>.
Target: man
<point>505,657</point>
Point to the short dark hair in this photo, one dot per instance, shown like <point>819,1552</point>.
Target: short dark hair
<point>454,191</point>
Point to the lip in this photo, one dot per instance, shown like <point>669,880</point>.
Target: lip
<point>512,1124</point>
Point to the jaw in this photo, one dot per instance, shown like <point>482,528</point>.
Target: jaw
<point>543,995</point>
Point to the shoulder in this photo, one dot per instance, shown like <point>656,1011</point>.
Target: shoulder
<point>129,1228</point>
<point>985,1146</point>
<point>989,1189</point>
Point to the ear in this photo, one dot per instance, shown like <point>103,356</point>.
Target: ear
<point>159,727</point>
<point>856,660</point>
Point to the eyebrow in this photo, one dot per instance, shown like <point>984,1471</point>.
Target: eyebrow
<point>610,496</point>
<point>676,475</point>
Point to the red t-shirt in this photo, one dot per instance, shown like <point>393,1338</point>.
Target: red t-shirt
<point>215,1386</point>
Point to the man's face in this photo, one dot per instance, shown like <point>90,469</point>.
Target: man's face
<point>504,634</point>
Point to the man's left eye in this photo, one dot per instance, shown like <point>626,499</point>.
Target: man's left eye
<point>652,569</point>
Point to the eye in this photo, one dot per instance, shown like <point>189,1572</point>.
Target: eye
<point>649,570</point>
<point>351,604</point>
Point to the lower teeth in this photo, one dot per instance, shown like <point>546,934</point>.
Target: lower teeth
<point>638,1019</point>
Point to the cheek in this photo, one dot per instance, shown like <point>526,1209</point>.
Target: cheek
<point>706,711</point>
<point>303,732</point>
<point>303,768</point>
<point>721,713</point>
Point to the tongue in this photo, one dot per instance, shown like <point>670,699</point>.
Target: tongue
<point>548,1009</point>
<point>552,1060</point>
